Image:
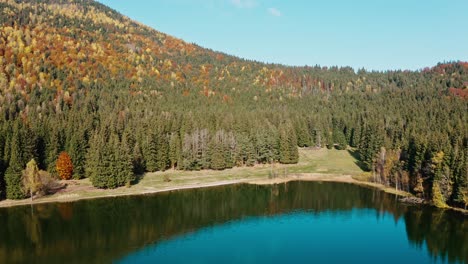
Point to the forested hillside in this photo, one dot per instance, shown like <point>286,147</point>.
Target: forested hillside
<point>121,99</point>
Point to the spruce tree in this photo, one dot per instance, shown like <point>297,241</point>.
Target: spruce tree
<point>125,163</point>
<point>2,165</point>
<point>2,184</point>
<point>289,153</point>
<point>303,136</point>
<point>218,161</point>
<point>13,177</point>
<point>102,173</point>
<point>339,138</point>
<point>53,148</point>
<point>174,150</point>
<point>162,155</point>
<point>77,151</point>
<point>28,144</point>
<point>293,150</point>
<point>137,160</point>
<point>151,155</point>
<point>93,156</point>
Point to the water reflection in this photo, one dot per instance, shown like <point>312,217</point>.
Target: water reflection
<point>104,230</point>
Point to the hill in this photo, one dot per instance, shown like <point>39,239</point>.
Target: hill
<point>121,99</point>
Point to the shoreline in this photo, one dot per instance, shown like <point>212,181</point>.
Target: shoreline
<point>72,196</point>
<point>313,177</point>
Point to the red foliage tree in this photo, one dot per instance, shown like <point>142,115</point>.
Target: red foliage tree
<point>64,166</point>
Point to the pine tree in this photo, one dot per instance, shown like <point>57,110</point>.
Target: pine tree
<point>245,150</point>
<point>151,155</point>
<point>14,185</point>
<point>93,156</point>
<point>162,156</point>
<point>137,160</point>
<point>77,151</point>
<point>2,184</point>
<point>101,172</point>
<point>125,162</point>
<point>369,146</point>
<point>289,153</point>
<point>303,135</point>
<point>174,150</point>
<point>218,161</point>
<point>2,165</point>
<point>28,144</point>
<point>339,138</point>
<point>53,148</point>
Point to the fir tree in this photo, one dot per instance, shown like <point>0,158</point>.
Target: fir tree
<point>13,177</point>
<point>340,139</point>
<point>218,161</point>
<point>151,155</point>
<point>53,148</point>
<point>2,165</point>
<point>28,144</point>
<point>174,150</point>
<point>77,151</point>
<point>162,155</point>
<point>288,144</point>
<point>125,162</point>
<point>137,160</point>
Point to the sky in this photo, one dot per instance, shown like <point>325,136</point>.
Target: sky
<point>371,34</point>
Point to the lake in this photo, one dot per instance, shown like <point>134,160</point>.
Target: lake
<point>296,222</point>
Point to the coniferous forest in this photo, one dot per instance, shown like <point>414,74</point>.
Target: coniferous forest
<point>87,92</point>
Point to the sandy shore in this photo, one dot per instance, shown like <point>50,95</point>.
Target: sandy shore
<point>72,193</point>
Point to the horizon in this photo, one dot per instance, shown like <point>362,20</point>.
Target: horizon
<point>379,37</point>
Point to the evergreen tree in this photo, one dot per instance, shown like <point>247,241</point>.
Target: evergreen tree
<point>137,160</point>
<point>93,156</point>
<point>2,165</point>
<point>13,177</point>
<point>53,149</point>
<point>162,155</point>
<point>174,150</point>
<point>288,144</point>
<point>28,144</point>
<point>77,151</point>
<point>151,155</point>
<point>370,145</point>
<point>245,151</point>
<point>339,139</point>
<point>102,173</point>
<point>125,163</point>
<point>303,135</point>
<point>217,149</point>
<point>2,184</point>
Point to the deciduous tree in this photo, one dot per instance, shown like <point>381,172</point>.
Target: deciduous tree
<point>64,166</point>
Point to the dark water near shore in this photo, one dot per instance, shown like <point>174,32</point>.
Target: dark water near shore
<point>305,222</point>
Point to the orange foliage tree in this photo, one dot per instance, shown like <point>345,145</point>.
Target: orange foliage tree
<point>64,166</point>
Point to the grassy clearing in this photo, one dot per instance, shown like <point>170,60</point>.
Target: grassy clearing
<point>322,161</point>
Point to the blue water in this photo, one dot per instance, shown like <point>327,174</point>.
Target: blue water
<point>354,236</point>
<point>297,222</point>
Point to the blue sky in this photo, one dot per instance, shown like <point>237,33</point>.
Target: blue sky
<point>374,34</point>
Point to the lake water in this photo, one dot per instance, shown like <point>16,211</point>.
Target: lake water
<point>297,222</point>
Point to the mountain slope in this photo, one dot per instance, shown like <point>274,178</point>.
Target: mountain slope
<point>70,45</point>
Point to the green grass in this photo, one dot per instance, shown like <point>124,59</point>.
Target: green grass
<point>322,161</point>
<point>326,161</point>
<point>310,161</point>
